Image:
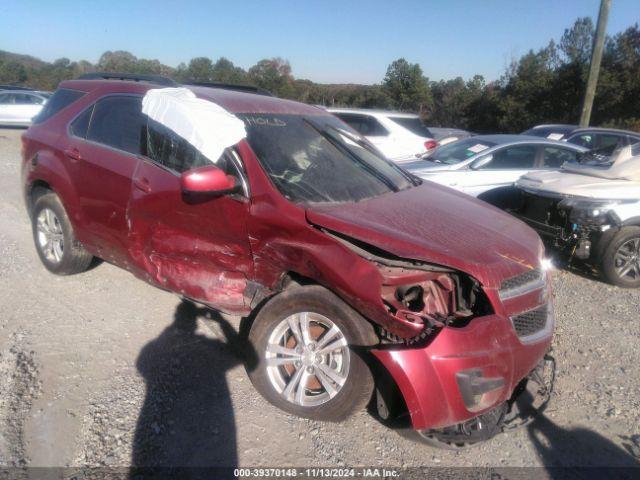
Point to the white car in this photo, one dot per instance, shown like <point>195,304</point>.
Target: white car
<point>591,211</point>
<point>487,166</point>
<point>400,137</point>
<point>18,107</point>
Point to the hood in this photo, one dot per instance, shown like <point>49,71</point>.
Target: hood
<point>438,225</point>
<point>563,183</point>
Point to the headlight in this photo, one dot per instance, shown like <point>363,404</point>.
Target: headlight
<point>597,212</point>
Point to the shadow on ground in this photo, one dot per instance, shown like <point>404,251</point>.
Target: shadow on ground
<point>187,419</point>
<point>593,454</point>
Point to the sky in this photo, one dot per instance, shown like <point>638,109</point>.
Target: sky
<point>325,41</point>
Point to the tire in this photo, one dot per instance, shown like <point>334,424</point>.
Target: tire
<point>49,221</point>
<point>317,401</point>
<point>624,245</point>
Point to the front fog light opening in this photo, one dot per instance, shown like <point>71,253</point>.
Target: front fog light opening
<point>478,392</point>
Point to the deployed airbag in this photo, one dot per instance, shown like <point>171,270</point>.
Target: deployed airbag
<point>204,124</point>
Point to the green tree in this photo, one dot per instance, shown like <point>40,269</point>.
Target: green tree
<point>226,72</point>
<point>12,73</point>
<point>577,41</point>
<point>406,86</point>
<point>200,69</point>
<point>273,74</point>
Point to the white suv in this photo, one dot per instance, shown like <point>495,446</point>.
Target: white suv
<point>399,136</point>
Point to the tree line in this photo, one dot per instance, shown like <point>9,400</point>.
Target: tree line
<point>544,86</point>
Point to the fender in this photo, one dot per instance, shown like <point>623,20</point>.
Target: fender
<point>48,167</point>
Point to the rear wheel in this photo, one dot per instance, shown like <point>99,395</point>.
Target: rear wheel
<point>621,259</point>
<point>308,364</point>
<point>55,241</point>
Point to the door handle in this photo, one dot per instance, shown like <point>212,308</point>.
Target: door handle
<point>142,184</point>
<point>73,154</point>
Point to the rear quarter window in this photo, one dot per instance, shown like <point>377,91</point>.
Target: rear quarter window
<point>61,99</point>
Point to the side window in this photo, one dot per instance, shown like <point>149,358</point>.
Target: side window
<point>61,99</point>
<point>373,128</point>
<point>26,99</point>
<point>80,125</point>
<point>364,124</point>
<point>8,99</point>
<point>584,140</point>
<point>354,121</point>
<point>606,144</point>
<point>118,122</point>
<point>172,151</point>
<point>517,157</point>
<point>554,157</point>
<point>4,99</point>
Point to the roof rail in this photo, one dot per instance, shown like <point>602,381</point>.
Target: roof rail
<point>232,86</point>
<point>135,77</point>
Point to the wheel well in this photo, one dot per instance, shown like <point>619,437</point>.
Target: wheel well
<point>37,189</point>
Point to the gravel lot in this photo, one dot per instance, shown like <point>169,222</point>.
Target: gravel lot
<point>100,368</point>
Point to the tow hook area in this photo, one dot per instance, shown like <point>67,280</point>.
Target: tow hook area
<point>529,399</point>
<point>532,395</point>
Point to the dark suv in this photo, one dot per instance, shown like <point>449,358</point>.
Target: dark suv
<point>348,264</point>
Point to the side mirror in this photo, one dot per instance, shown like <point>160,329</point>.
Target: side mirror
<point>208,180</point>
<point>480,162</point>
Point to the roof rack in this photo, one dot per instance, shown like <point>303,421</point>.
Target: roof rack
<point>232,86</point>
<point>157,79</point>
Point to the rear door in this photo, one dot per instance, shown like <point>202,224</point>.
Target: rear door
<point>103,152</point>
<point>196,246</point>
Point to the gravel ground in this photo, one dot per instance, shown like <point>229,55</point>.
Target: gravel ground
<point>101,369</point>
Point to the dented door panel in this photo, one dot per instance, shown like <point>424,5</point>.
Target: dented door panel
<point>195,246</point>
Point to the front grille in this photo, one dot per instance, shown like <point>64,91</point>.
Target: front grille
<point>521,280</point>
<point>523,283</point>
<point>531,322</point>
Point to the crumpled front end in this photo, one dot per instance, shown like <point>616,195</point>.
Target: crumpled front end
<point>470,369</point>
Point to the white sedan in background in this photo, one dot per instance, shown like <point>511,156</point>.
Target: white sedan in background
<point>487,166</point>
<point>400,137</point>
<point>18,107</point>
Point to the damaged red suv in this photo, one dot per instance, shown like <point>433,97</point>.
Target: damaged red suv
<point>357,277</point>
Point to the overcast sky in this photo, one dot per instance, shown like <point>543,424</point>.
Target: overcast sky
<point>325,41</point>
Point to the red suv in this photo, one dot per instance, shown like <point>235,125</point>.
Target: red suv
<point>352,269</point>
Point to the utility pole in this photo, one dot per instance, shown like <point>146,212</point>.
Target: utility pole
<point>596,58</point>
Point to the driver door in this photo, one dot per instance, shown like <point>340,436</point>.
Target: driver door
<point>195,246</point>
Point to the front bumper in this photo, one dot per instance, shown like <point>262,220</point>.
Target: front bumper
<point>429,377</point>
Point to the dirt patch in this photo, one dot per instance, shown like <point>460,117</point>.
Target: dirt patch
<point>20,386</point>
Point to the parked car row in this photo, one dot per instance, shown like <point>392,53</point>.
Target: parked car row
<point>550,184</point>
<point>357,278</point>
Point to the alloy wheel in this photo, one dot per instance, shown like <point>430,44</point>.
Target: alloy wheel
<point>307,358</point>
<point>627,259</point>
<point>50,236</point>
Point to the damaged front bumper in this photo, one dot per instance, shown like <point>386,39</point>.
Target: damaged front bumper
<point>464,374</point>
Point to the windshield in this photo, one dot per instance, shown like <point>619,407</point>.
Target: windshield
<point>318,160</point>
<point>414,125</point>
<point>459,151</point>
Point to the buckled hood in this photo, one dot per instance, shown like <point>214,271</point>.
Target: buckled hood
<point>438,225</point>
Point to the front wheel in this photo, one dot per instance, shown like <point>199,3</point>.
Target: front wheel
<point>306,341</point>
<point>621,259</point>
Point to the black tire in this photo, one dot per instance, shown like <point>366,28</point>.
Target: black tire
<point>75,258</point>
<point>357,389</point>
<point>608,264</point>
